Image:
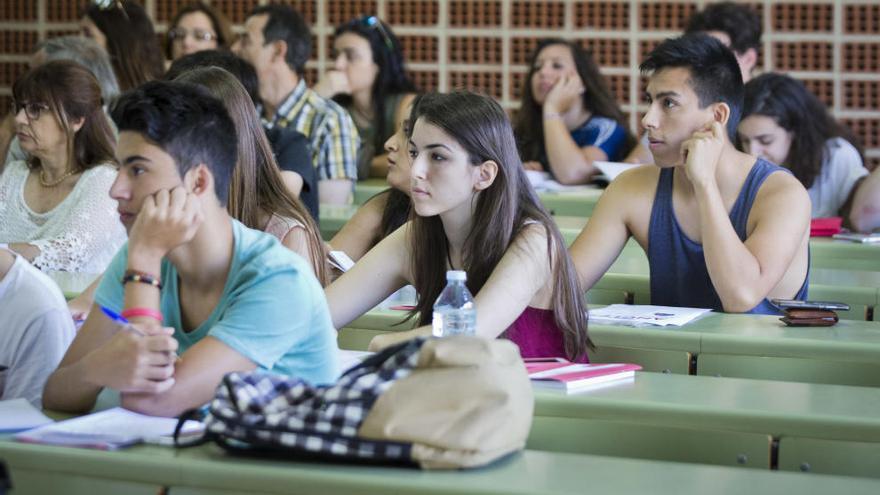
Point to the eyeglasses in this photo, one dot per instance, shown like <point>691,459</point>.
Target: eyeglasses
<point>373,22</point>
<point>178,34</point>
<point>32,109</point>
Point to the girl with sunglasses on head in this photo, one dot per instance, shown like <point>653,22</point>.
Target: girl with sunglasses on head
<point>197,27</point>
<point>368,79</point>
<point>123,29</point>
<point>786,124</point>
<point>474,211</point>
<point>568,118</point>
<point>55,208</point>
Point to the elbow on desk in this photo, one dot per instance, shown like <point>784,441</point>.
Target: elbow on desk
<point>151,405</point>
<point>741,302</point>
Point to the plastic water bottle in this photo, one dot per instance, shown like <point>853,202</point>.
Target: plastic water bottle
<point>454,311</point>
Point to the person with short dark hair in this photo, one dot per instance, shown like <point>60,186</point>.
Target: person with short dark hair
<point>291,148</point>
<point>737,26</point>
<point>785,124</point>
<point>191,280</point>
<point>721,229</point>
<point>278,43</point>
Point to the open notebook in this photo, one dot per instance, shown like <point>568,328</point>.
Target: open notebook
<point>109,430</point>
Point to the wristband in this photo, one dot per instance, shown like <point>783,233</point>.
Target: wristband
<point>553,116</point>
<point>150,313</point>
<point>141,277</point>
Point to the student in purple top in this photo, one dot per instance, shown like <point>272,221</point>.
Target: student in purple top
<point>474,211</point>
<point>569,117</point>
<point>722,230</point>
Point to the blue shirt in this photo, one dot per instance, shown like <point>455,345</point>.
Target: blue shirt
<point>272,310</point>
<point>603,133</point>
<point>679,276</point>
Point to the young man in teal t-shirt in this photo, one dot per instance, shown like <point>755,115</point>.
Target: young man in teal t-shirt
<point>229,298</point>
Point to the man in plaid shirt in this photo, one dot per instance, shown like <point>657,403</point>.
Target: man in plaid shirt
<point>278,43</point>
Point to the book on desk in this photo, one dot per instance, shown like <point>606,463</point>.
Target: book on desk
<point>559,374</point>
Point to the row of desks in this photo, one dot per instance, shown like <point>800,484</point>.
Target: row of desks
<point>207,470</point>
<point>730,345</point>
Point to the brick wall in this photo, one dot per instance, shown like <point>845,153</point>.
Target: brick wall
<point>834,46</point>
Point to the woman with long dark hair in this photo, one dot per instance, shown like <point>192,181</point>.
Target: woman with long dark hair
<point>55,208</point>
<point>568,118</point>
<point>474,211</point>
<point>786,124</point>
<point>125,31</point>
<point>368,79</point>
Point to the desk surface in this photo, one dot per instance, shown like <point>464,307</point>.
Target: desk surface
<point>208,468</point>
<point>835,412</point>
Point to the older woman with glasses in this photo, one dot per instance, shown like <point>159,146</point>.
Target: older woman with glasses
<point>194,28</point>
<point>55,208</point>
<point>368,79</point>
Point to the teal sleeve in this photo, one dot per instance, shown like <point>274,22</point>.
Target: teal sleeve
<point>276,322</point>
<point>111,293</point>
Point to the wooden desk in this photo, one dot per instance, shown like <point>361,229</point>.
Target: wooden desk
<point>37,469</point>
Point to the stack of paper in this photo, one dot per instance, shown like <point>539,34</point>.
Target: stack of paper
<point>644,315</point>
<point>542,182</point>
<point>109,430</point>
<point>19,414</point>
<point>612,169</point>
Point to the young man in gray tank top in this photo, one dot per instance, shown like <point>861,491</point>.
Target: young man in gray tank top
<point>721,230</point>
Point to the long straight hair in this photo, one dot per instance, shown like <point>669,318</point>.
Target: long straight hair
<point>597,99</point>
<point>256,187</point>
<point>501,212</point>
<point>131,42</point>
<point>797,110</point>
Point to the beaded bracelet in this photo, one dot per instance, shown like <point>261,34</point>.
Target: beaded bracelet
<point>141,277</point>
<point>148,312</point>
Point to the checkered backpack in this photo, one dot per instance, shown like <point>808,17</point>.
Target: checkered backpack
<point>437,403</point>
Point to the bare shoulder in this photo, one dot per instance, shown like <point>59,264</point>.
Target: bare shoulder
<point>781,188</point>
<point>632,190</point>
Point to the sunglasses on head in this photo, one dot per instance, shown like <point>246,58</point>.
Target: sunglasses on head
<point>110,5</point>
<point>373,22</point>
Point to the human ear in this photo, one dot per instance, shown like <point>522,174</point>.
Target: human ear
<point>198,180</point>
<point>77,124</point>
<point>721,113</point>
<point>279,50</point>
<point>485,174</point>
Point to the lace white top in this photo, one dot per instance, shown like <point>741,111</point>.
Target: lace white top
<point>81,234</point>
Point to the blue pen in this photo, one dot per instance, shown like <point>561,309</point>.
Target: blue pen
<point>118,318</point>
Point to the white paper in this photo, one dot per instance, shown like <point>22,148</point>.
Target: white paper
<point>19,414</point>
<point>612,169</point>
<point>645,315</point>
<point>542,182</point>
<point>341,260</point>
<point>349,359</point>
<point>110,429</point>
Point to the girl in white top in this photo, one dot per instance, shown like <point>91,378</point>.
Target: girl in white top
<point>786,124</point>
<point>55,210</point>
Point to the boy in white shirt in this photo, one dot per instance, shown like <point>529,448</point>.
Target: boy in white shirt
<point>35,329</point>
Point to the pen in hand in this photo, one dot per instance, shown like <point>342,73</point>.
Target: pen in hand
<point>126,325</point>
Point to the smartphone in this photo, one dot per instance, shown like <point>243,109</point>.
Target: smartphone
<point>795,304</point>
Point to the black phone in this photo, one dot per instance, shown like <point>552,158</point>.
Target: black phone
<point>795,304</point>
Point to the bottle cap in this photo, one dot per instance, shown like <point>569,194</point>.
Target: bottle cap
<point>457,275</point>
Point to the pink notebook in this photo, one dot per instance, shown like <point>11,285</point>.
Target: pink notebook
<point>555,374</point>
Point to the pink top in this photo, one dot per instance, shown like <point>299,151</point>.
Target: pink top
<point>536,334</point>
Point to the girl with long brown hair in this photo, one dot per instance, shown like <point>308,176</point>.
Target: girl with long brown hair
<point>257,195</point>
<point>568,118</point>
<point>475,211</point>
